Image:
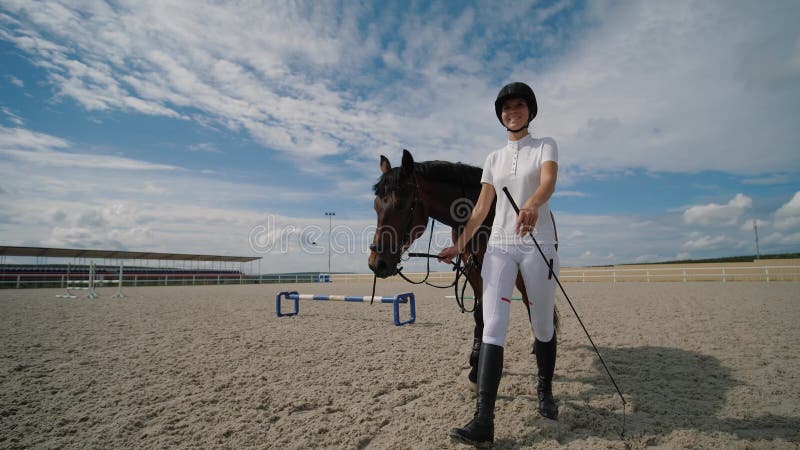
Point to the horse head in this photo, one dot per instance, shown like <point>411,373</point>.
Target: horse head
<point>401,215</point>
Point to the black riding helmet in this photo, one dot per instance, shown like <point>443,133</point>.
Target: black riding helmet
<point>516,90</point>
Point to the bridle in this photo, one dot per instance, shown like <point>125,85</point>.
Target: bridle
<point>408,225</point>
<point>459,266</point>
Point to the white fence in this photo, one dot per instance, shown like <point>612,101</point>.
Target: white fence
<point>81,280</point>
<point>648,274</point>
<point>645,274</point>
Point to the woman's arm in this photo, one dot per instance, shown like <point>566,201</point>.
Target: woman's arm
<point>529,213</point>
<point>479,213</point>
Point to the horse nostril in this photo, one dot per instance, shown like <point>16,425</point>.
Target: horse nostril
<point>373,247</point>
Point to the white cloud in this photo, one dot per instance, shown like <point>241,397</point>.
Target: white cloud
<point>15,81</point>
<point>208,147</point>
<point>40,149</point>
<point>144,209</point>
<point>647,258</point>
<point>661,86</point>
<point>628,89</point>
<point>266,81</point>
<point>778,178</point>
<point>642,224</point>
<point>586,238</point>
<point>714,214</point>
<point>708,243</point>
<point>788,215</point>
<point>568,193</point>
<point>781,241</point>
<point>174,227</point>
<point>13,118</point>
<point>80,238</point>
<point>86,161</point>
<point>747,225</point>
<point>20,138</point>
<point>573,235</point>
<point>623,85</point>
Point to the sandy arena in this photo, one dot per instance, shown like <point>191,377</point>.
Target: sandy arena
<point>702,365</point>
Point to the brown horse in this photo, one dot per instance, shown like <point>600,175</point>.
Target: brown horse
<point>406,197</point>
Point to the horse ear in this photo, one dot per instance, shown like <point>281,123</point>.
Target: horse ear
<point>385,164</point>
<point>408,163</point>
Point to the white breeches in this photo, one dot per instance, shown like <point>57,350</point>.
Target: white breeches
<point>499,272</point>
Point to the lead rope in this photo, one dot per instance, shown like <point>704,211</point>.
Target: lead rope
<point>456,266</point>
<point>563,291</point>
<point>460,271</point>
<point>374,281</point>
<point>428,266</point>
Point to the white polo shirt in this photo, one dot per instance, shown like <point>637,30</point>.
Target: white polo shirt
<point>517,166</point>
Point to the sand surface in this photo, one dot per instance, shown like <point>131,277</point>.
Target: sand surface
<point>702,365</point>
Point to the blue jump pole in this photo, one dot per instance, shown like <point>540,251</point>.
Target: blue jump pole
<point>407,297</point>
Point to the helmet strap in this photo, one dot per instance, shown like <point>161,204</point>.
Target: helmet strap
<point>520,128</point>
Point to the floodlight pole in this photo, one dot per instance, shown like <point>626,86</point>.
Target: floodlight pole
<point>755,230</point>
<point>330,223</point>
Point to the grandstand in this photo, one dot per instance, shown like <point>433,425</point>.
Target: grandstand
<point>140,268</point>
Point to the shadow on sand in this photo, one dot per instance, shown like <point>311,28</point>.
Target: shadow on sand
<point>667,389</point>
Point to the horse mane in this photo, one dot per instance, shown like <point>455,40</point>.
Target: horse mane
<point>439,171</point>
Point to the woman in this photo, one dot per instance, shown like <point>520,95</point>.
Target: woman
<point>528,167</point>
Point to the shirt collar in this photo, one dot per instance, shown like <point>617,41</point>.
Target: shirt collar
<point>516,145</point>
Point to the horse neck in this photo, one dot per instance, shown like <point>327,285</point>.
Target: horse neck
<point>438,198</point>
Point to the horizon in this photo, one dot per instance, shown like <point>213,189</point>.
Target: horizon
<point>192,127</point>
<point>229,264</point>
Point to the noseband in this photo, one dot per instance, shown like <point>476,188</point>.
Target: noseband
<point>406,234</point>
<point>406,239</point>
<point>410,221</point>
<point>459,266</point>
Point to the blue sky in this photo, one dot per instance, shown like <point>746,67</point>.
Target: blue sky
<point>184,126</point>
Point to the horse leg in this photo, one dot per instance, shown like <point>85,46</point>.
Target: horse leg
<point>474,279</point>
<point>473,258</point>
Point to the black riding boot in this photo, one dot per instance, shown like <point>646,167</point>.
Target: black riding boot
<point>473,360</point>
<point>480,430</point>
<point>546,362</point>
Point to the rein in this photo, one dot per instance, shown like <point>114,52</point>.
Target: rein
<point>459,266</point>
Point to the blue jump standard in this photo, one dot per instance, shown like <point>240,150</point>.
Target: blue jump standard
<point>407,297</point>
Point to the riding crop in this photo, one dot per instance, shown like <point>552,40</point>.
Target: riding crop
<point>530,233</point>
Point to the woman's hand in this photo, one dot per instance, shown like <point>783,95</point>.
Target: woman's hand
<point>447,255</point>
<point>526,220</point>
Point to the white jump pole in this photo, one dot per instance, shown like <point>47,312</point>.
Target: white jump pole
<point>66,294</point>
<point>119,293</point>
<point>91,293</point>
